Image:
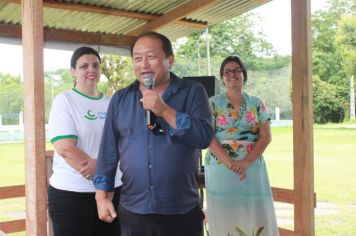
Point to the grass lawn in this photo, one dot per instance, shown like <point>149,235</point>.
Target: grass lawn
<point>334,174</point>
<point>334,177</point>
<point>334,162</point>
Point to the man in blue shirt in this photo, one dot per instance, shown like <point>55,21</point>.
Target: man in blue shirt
<point>159,163</point>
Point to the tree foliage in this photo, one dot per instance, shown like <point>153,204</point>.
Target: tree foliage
<point>118,70</point>
<point>239,36</point>
<point>328,102</point>
<point>333,34</point>
<point>55,82</point>
<point>327,61</point>
<point>346,42</point>
<point>273,87</point>
<point>11,98</point>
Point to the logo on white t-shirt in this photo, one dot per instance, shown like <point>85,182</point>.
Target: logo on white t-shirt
<point>90,115</point>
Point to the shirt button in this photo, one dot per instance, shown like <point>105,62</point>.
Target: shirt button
<point>149,146</point>
<point>151,187</point>
<point>150,166</point>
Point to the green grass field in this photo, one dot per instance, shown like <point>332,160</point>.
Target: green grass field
<point>334,177</point>
<point>334,174</point>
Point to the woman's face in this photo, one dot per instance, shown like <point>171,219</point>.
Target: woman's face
<point>233,76</point>
<point>87,71</point>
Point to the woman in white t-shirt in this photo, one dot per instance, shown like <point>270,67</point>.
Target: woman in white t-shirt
<point>75,127</point>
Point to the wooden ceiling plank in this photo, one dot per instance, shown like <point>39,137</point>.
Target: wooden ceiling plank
<point>173,15</point>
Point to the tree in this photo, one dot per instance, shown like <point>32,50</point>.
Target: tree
<point>11,98</point>
<point>268,72</point>
<point>328,56</point>
<point>238,36</point>
<point>329,103</point>
<point>56,82</point>
<point>327,60</point>
<point>346,42</point>
<point>119,72</point>
<point>273,87</point>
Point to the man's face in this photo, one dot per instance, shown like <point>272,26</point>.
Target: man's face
<point>150,60</point>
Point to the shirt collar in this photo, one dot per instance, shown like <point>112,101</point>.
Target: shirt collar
<point>175,84</point>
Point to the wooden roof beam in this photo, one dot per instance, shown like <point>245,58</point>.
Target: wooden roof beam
<point>110,11</point>
<point>14,31</point>
<point>173,16</point>
<point>88,38</point>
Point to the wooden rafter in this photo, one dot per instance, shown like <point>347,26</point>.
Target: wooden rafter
<point>110,11</point>
<point>174,15</point>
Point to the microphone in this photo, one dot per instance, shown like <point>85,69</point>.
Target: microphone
<point>149,84</point>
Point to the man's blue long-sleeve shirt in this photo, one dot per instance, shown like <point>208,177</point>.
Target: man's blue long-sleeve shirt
<point>159,171</point>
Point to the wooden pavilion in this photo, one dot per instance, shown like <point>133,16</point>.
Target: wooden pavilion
<point>117,23</point>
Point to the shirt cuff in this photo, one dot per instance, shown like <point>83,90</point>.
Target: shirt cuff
<point>103,182</point>
<point>183,122</point>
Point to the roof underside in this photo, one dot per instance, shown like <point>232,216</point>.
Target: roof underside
<point>123,19</point>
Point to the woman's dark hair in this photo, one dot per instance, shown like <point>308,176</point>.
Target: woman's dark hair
<point>236,59</point>
<point>80,52</point>
<point>166,43</point>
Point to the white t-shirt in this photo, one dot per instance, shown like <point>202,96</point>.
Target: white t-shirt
<point>75,115</point>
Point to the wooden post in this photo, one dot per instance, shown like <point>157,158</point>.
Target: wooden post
<point>302,118</point>
<point>34,119</point>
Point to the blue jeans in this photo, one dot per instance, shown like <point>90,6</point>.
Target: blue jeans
<point>75,214</point>
<point>189,224</point>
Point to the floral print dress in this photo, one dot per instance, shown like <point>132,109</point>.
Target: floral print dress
<point>236,207</point>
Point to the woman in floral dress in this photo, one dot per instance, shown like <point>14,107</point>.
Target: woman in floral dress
<point>238,190</point>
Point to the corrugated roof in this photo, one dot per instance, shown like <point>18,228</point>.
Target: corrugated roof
<point>173,18</point>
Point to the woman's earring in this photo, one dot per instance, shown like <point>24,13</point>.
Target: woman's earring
<point>74,82</point>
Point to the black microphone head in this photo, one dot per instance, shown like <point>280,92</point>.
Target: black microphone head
<point>148,82</point>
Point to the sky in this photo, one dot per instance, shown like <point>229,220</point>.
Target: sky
<point>277,31</point>
<point>276,22</point>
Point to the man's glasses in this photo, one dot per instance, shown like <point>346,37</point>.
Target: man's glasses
<point>155,126</point>
<point>233,71</point>
<point>157,129</point>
